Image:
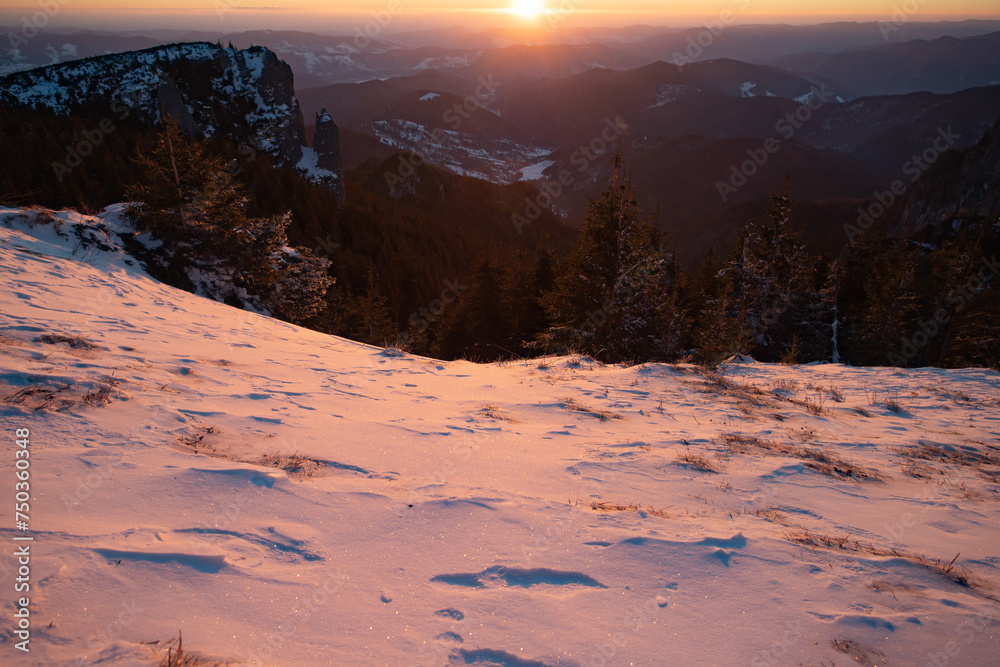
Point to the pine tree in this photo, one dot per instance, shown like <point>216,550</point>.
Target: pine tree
<point>375,323</point>
<point>178,180</point>
<point>189,200</point>
<point>767,279</point>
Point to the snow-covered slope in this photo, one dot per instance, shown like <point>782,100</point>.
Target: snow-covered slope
<point>442,513</point>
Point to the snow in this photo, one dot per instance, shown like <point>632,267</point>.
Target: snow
<point>448,516</point>
<point>309,166</point>
<point>668,94</point>
<point>495,160</point>
<point>746,89</point>
<point>429,96</point>
<point>535,172</point>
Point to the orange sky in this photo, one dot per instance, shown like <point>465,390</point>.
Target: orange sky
<point>224,15</point>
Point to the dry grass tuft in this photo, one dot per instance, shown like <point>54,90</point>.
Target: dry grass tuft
<point>298,467</point>
<point>813,405</point>
<point>893,405</point>
<point>576,406</point>
<point>960,575</point>
<point>75,342</point>
<point>815,459</point>
<point>178,657</point>
<point>786,385</point>
<point>494,412</point>
<point>919,470</point>
<point>962,456</point>
<point>718,384</point>
<point>867,657</point>
<point>771,515</point>
<point>601,506</point>
<point>37,398</point>
<point>61,397</point>
<point>295,466</point>
<point>697,462</point>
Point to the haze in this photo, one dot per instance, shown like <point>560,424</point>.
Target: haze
<point>343,16</point>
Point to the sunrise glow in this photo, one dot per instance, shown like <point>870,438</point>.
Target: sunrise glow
<point>529,9</point>
<point>345,15</point>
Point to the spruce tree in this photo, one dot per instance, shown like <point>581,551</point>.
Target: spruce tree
<point>768,280</point>
<point>189,200</point>
<point>610,300</point>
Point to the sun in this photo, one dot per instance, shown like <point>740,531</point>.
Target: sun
<point>529,9</point>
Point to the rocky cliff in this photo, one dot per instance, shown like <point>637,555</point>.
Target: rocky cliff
<point>244,95</point>
<point>961,188</point>
<point>328,159</point>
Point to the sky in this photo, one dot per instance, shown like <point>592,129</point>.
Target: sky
<point>342,15</point>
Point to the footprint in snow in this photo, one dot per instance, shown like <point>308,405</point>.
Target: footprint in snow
<point>499,576</point>
<point>451,613</point>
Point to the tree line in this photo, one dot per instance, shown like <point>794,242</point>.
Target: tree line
<point>436,269</point>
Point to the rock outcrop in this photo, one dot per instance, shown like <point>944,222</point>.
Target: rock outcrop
<point>245,95</point>
<point>328,157</point>
<point>960,188</point>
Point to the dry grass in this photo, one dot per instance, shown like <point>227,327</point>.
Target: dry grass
<point>718,384</point>
<point>950,571</point>
<point>815,459</point>
<point>771,515</point>
<point>61,397</point>
<point>601,506</point>
<point>962,456</point>
<point>919,470</point>
<point>893,405</point>
<point>295,466</point>
<point>867,657</point>
<point>576,406</point>
<point>786,385</point>
<point>837,395</point>
<point>35,398</point>
<point>494,412</point>
<point>813,405</point>
<point>178,657</point>
<point>75,342</point>
<point>697,462</point>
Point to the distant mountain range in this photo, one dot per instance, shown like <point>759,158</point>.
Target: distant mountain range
<point>837,110</point>
<point>318,59</point>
